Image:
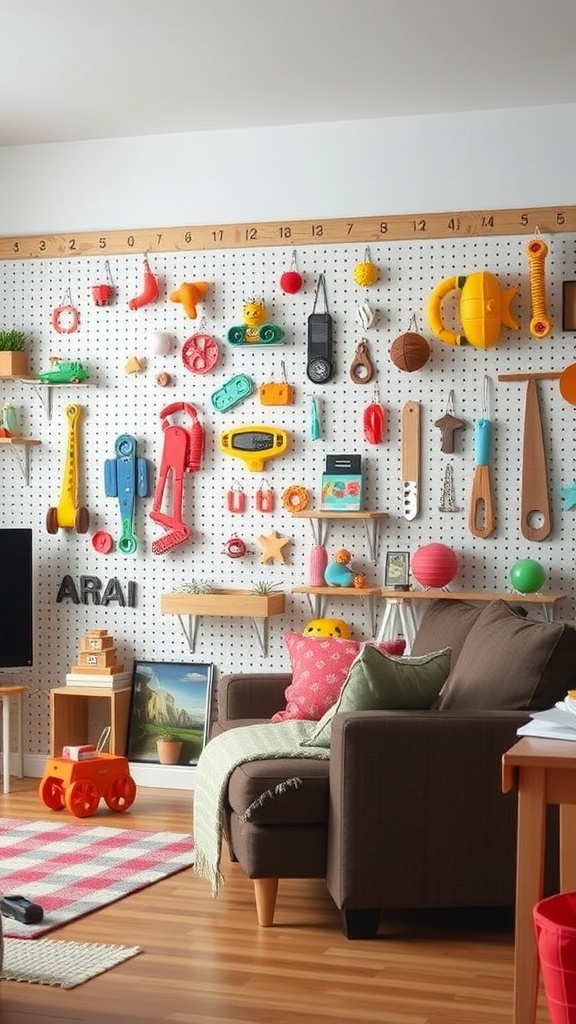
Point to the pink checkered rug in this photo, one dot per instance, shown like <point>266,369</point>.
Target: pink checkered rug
<point>71,870</point>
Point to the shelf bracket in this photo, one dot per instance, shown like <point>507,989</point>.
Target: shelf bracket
<point>320,530</point>
<point>190,630</point>
<point>190,624</point>
<point>22,456</point>
<point>260,627</point>
<point>44,393</point>
<point>371,530</point>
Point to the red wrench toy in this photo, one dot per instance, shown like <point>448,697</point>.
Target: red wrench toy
<point>183,450</point>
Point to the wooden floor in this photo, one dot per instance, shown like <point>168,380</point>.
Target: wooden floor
<point>206,960</point>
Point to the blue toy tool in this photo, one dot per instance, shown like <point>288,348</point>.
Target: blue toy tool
<point>126,477</point>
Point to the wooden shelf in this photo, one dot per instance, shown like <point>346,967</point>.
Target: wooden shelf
<point>339,591</point>
<point>318,514</point>
<point>469,595</point>
<point>257,607</point>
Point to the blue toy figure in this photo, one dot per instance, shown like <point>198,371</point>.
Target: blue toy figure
<point>126,477</point>
<point>338,571</point>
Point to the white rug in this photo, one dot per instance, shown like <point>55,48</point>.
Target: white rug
<point>67,964</point>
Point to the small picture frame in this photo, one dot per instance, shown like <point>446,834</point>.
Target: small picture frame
<point>169,698</point>
<point>397,570</point>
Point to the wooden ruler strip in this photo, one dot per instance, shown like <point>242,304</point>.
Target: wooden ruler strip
<point>381,228</point>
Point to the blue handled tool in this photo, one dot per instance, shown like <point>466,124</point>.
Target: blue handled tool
<point>481,517</point>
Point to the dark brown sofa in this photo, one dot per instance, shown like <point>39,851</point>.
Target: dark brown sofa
<point>408,810</point>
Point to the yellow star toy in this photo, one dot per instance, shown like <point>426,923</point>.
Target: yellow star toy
<point>272,546</point>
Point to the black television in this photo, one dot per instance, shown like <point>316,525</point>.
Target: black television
<point>16,598</point>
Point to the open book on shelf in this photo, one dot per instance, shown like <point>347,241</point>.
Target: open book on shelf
<point>558,722</point>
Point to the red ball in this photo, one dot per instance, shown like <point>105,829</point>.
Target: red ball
<point>434,565</point>
<point>409,351</point>
<point>291,281</point>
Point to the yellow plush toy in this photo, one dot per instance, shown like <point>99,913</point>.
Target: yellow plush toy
<point>335,628</point>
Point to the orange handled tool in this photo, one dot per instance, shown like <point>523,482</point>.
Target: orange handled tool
<point>481,517</point>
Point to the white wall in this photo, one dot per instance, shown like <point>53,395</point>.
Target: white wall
<point>497,159</point>
<point>494,160</point>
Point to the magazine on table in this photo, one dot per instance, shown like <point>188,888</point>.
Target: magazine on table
<point>558,722</point>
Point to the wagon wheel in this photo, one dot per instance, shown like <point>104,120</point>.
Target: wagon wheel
<point>121,793</point>
<point>51,792</point>
<point>52,520</point>
<point>82,798</point>
<point>82,520</point>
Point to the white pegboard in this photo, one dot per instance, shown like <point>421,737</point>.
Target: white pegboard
<point>115,402</point>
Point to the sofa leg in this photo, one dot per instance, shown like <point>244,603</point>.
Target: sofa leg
<point>265,891</point>
<point>360,924</point>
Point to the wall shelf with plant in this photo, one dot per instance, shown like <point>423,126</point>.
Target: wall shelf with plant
<point>258,605</point>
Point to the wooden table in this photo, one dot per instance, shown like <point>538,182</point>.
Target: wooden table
<point>6,694</point>
<point>544,772</point>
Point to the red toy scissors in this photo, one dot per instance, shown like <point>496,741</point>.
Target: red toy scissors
<point>200,353</point>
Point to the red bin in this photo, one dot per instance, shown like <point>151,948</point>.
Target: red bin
<point>555,924</point>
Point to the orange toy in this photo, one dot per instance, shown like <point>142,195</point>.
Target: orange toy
<point>79,785</point>
<point>540,324</point>
<point>190,294</point>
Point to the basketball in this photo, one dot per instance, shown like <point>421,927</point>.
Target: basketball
<point>409,351</point>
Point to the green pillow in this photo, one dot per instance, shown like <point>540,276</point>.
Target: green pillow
<point>382,682</point>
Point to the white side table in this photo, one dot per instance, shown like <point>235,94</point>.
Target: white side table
<point>6,693</point>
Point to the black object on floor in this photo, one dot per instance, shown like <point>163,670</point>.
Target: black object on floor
<point>21,909</point>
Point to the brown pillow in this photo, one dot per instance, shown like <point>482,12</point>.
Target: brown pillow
<point>511,663</point>
<point>445,623</point>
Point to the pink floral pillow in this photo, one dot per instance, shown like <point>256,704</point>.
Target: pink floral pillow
<point>319,669</point>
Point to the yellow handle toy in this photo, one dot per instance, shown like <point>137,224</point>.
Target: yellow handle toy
<point>484,308</point>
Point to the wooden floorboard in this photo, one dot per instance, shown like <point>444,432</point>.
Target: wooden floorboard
<point>206,961</point>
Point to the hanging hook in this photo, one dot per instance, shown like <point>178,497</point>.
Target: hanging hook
<point>486,397</point>
<point>320,287</point>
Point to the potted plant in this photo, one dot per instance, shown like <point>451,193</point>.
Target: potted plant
<point>13,358</point>
<point>169,746</point>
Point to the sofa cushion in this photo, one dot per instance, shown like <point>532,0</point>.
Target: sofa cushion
<point>319,667</point>
<point>445,623</point>
<point>511,663</point>
<point>380,682</point>
<point>254,785</point>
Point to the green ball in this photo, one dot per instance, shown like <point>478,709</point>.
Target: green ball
<point>527,576</point>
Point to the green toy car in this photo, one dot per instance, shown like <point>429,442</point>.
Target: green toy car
<point>64,372</point>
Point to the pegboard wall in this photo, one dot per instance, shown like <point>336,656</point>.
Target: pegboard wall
<point>116,402</point>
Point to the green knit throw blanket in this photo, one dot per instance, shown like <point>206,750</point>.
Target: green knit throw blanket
<point>217,762</point>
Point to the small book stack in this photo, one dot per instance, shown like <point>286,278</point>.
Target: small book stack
<point>97,663</point>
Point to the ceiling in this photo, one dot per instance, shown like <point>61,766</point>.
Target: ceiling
<point>70,70</point>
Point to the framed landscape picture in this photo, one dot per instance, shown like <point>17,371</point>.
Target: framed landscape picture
<point>397,571</point>
<point>170,702</point>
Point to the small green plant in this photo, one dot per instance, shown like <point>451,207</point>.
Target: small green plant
<point>12,341</point>
<point>168,735</point>
<point>197,587</point>
<point>263,588</point>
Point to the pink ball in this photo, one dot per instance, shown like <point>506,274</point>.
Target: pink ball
<point>434,565</point>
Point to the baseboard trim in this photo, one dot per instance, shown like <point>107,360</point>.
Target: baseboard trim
<point>153,775</point>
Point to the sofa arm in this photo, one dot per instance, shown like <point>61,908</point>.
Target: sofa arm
<point>251,695</point>
<point>417,814</point>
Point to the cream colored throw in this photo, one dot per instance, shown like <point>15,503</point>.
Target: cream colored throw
<point>218,760</point>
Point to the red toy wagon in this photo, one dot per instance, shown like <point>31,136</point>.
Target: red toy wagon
<point>79,785</point>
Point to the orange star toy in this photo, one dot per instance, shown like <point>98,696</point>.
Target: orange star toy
<point>272,547</point>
